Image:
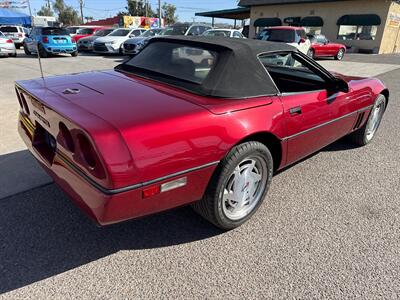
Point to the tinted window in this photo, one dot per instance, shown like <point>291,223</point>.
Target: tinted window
<point>194,30</point>
<point>278,35</point>
<point>120,32</point>
<point>223,33</point>
<point>202,29</point>
<point>321,39</point>
<point>54,31</point>
<point>151,32</point>
<point>85,31</point>
<point>103,32</point>
<point>72,30</point>
<point>136,33</point>
<point>175,30</point>
<point>179,61</point>
<point>9,29</point>
<point>237,34</point>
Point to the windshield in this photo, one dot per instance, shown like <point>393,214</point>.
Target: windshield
<point>9,29</point>
<point>54,31</point>
<point>103,32</point>
<point>120,32</point>
<point>151,32</point>
<point>175,30</point>
<point>85,31</point>
<point>224,33</point>
<point>2,35</point>
<point>175,60</point>
<point>72,30</point>
<point>278,35</point>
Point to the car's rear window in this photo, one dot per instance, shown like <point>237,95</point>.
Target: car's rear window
<point>54,31</point>
<point>223,33</point>
<point>120,32</point>
<point>183,62</point>
<point>175,30</point>
<point>85,31</point>
<point>9,29</point>
<point>278,35</point>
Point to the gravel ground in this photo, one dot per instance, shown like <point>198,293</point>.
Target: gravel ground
<point>329,229</point>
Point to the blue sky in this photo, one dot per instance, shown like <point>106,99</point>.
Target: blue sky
<point>185,8</point>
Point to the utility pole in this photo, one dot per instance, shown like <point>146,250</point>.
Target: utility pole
<point>81,6</point>
<point>159,11</point>
<point>48,4</point>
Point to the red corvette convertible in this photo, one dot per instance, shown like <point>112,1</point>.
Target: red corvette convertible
<point>322,47</point>
<point>191,120</point>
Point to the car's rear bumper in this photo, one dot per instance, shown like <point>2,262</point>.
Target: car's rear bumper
<point>112,206</point>
<point>7,50</point>
<point>61,49</point>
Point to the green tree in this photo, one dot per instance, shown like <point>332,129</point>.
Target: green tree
<point>139,8</point>
<point>66,14</point>
<point>168,13</point>
<point>45,10</point>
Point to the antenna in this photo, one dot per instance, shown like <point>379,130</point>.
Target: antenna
<point>37,47</point>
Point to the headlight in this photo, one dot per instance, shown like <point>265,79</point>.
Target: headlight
<point>111,43</point>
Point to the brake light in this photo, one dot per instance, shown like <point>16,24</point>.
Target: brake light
<point>45,39</point>
<point>20,35</point>
<point>165,187</point>
<point>9,41</point>
<point>151,191</point>
<point>87,151</point>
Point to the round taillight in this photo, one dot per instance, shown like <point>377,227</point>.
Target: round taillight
<point>87,151</point>
<point>24,104</point>
<point>66,137</point>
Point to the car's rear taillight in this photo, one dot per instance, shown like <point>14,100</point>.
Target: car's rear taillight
<point>20,34</point>
<point>45,39</point>
<point>65,138</point>
<point>25,107</point>
<point>9,41</point>
<point>87,151</point>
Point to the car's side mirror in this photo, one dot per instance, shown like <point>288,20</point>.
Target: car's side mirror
<point>302,40</point>
<point>326,42</point>
<point>340,85</point>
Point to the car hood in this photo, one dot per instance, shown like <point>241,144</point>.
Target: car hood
<point>106,39</point>
<point>135,40</point>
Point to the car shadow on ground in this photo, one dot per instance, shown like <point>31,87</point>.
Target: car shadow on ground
<point>43,234</point>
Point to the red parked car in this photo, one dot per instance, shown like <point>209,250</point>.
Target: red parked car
<point>322,47</point>
<point>86,31</point>
<point>205,121</point>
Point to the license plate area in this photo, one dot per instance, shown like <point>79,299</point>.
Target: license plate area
<point>44,143</point>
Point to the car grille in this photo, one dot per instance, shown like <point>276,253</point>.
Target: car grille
<point>100,47</point>
<point>129,47</point>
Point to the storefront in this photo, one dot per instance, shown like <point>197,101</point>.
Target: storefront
<point>371,26</point>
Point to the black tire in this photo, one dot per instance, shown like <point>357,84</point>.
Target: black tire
<point>74,54</point>
<point>361,136</point>
<point>311,53</point>
<point>13,55</point>
<point>18,46</point>
<point>42,52</point>
<point>340,54</point>
<point>27,52</point>
<point>210,206</point>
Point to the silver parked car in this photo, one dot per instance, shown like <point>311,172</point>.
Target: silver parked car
<point>134,45</point>
<point>86,43</point>
<point>7,47</point>
<point>112,43</point>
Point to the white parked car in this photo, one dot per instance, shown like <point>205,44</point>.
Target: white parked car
<point>16,33</point>
<point>294,36</point>
<point>232,33</point>
<point>7,47</point>
<point>113,42</point>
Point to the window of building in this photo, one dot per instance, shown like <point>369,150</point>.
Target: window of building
<point>354,32</point>
<point>358,27</point>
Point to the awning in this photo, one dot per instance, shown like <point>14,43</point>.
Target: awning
<point>360,20</point>
<point>312,22</point>
<point>240,13</point>
<point>291,20</point>
<point>267,22</point>
<point>11,17</point>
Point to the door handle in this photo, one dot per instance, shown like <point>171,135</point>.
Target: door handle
<point>295,111</point>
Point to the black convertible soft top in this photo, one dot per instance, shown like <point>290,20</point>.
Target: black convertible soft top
<point>238,73</point>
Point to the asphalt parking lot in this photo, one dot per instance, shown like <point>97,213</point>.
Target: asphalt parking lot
<point>329,228</point>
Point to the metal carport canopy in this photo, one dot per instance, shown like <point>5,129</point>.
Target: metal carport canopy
<point>10,17</point>
<point>240,13</point>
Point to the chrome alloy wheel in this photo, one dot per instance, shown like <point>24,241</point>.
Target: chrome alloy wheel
<point>340,54</point>
<point>375,118</point>
<point>244,188</point>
